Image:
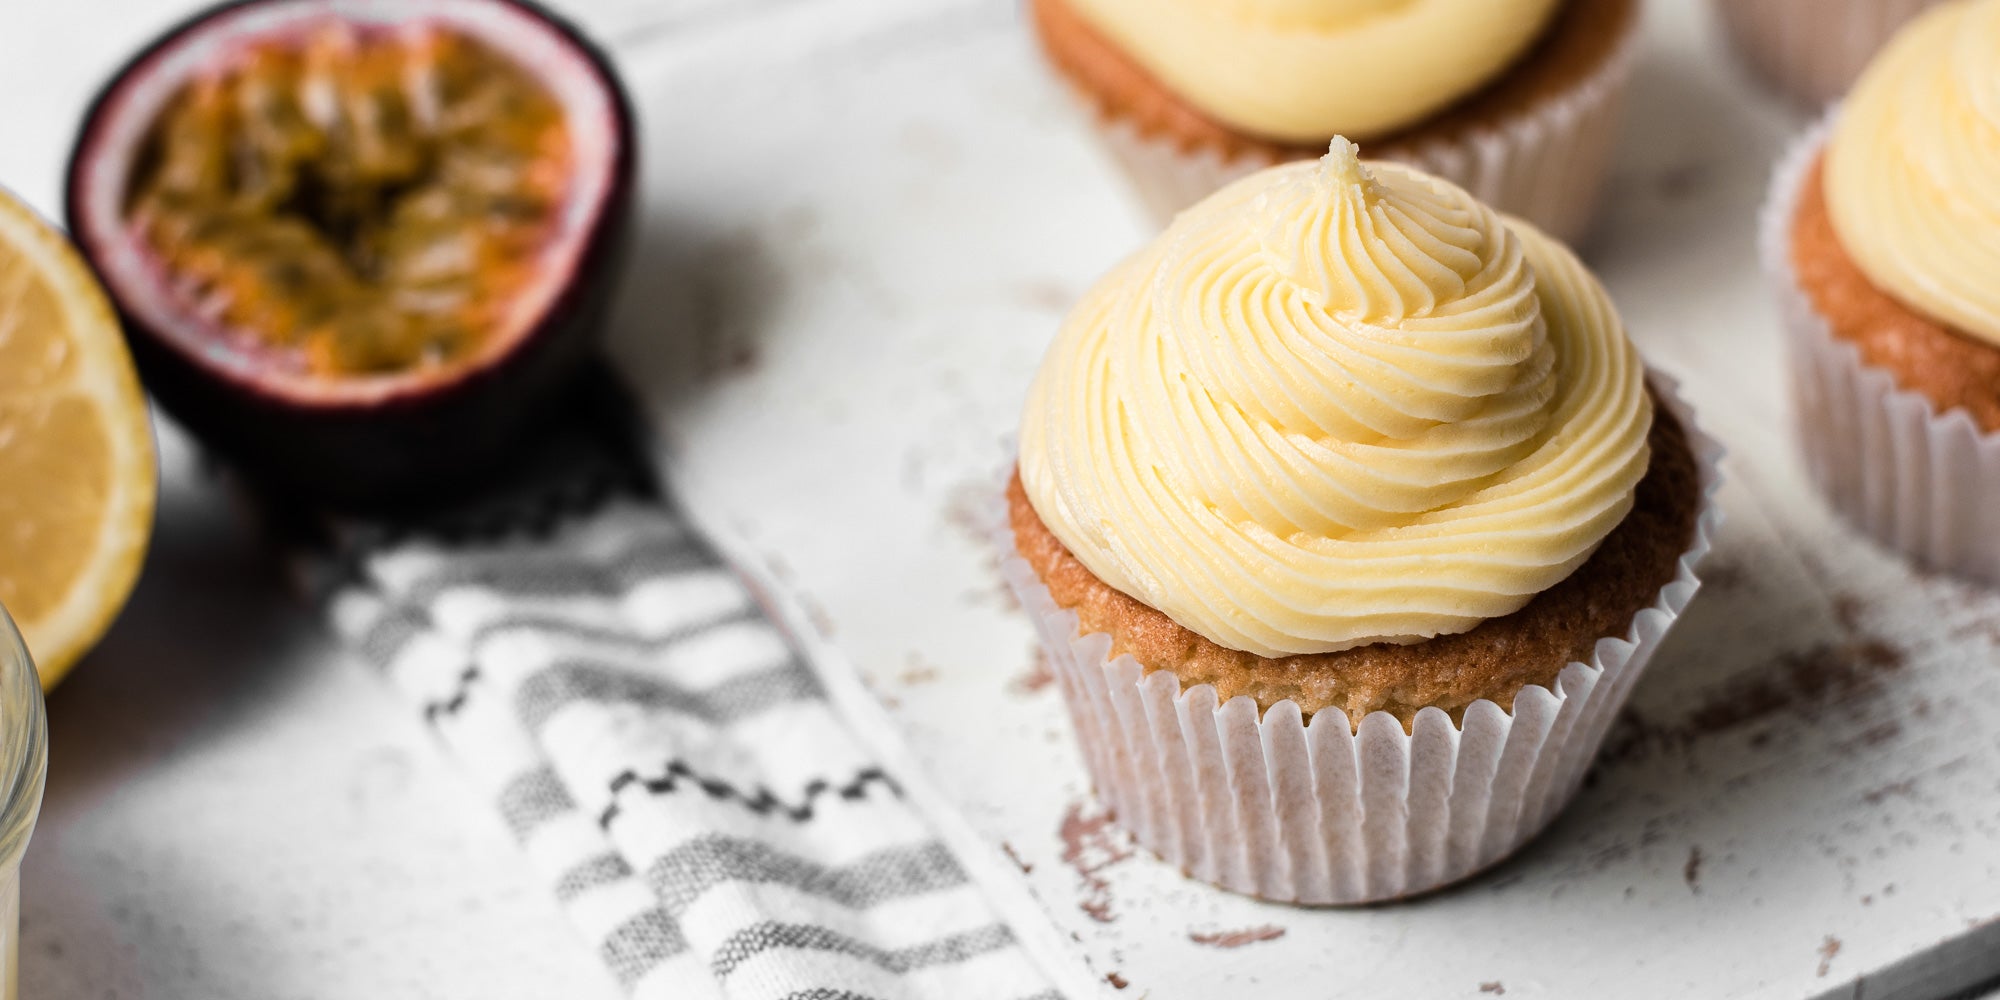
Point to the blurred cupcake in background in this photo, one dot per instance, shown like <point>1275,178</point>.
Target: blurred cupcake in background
<point>1882,236</point>
<point>1514,100</point>
<point>1811,50</point>
<point>1348,515</point>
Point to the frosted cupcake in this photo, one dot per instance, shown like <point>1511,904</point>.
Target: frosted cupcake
<point>1348,517</point>
<point>1515,100</point>
<point>1882,235</point>
<point>1811,50</point>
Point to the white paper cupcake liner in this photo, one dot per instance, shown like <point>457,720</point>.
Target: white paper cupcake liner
<point>1327,814</point>
<point>1546,164</point>
<point>1918,481</point>
<point>1812,50</point>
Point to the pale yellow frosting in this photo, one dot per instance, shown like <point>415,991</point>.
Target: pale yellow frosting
<point>1913,169</point>
<point>1338,404</point>
<point>1304,70</point>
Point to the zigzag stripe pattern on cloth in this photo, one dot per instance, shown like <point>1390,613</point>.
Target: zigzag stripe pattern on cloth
<point>671,763</point>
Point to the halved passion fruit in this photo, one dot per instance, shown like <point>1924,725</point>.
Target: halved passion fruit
<point>359,246</point>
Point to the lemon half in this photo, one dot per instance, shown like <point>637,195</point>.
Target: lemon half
<point>77,466</point>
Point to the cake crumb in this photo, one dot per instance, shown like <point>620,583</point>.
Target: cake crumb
<point>1036,678</point>
<point>916,671</point>
<point>1683,181</point>
<point>1237,939</point>
<point>1047,295</point>
<point>1841,676</point>
<point>1015,856</point>
<point>1090,845</point>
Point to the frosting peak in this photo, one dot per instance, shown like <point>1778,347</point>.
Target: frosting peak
<point>1913,168</point>
<point>1355,246</point>
<point>1303,70</point>
<point>1337,403</point>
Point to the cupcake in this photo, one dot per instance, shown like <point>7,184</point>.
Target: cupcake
<point>1514,100</point>
<point>1811,50</point>
<point>1348,516</point>
<point>1882,237</point>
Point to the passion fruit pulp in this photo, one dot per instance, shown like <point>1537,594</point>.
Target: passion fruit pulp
<point>359,247</point>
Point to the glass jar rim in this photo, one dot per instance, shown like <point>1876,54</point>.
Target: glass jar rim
<point>23,743</point>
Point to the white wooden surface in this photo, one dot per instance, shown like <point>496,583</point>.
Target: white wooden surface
<point>865,219</point>
<point>867,222</point>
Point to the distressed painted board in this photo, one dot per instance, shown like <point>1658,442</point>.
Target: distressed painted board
<point>866,220</point>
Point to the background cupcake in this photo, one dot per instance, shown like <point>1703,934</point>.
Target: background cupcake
<point>1348,518</point>
<point>1882,238</point>
<point>1515,100</point>
<point>1811,50</point>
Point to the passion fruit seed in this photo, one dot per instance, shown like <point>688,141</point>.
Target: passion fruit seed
<point>364,199</point>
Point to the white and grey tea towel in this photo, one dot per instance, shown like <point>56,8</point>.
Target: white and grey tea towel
<point>683,768</point>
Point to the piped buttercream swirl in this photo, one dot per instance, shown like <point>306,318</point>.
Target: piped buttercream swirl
<point>1913,168</point>
<point>1337,403</point>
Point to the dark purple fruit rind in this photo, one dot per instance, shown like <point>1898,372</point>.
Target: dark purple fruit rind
<point>417,449</point>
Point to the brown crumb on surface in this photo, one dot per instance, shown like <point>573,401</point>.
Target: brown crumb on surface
<point>1117,981</point>
<point>1827,949</point>
<point>742,359</point>
<point>916,671</point>
<point>816,614</point>
<point>1876,735</point>
<point>1493,987</point>
<point>1037,677</point>
<point>1691,872</point>
<point>1015,856</point>
<point>968,510</point>
<point>1684,180</point>
<point>1843,674</point>
<point>1847,610</point>
<point>1876,796</point>
<point>1723,573</point>
<point>1091,844</point>
<point>1047,295</point>
<point>1237,939</point>
<point>1806,682</point>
